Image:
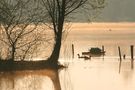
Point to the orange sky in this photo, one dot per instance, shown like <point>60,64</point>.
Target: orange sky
<point>103,26</point>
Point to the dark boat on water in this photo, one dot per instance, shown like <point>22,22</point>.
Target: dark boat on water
<point>93,52</point>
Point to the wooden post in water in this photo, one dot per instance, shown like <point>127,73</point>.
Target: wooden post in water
<point>120,58</point>
<point>132,56</point>
<point>103,51</point>
<point>72,51</point>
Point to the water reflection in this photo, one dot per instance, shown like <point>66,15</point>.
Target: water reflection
<point>80,75</point>
<point>65,80</point>
<point>97,75</point>
<point>30,80</point>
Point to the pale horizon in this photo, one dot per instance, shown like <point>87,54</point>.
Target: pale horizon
<point>103,26</point>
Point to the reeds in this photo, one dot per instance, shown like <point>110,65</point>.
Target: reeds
<point>67,53</point>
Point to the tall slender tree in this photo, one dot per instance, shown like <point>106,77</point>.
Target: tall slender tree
<point>58,11</point>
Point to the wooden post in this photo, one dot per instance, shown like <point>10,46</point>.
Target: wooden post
<point>103,51</point>
<point>72,50</point>
<point>120,58</point>
<point>132,56</point>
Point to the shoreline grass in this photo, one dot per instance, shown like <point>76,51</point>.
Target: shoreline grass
<point>6,65</point>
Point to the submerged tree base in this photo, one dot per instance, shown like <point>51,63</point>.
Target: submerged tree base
<point>6,65</point>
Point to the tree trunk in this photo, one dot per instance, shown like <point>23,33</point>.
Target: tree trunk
<point>56,51</point>
<point>12,54</point>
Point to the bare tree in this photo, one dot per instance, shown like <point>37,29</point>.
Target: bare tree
<point>19,22</point>
<point>59,12</point>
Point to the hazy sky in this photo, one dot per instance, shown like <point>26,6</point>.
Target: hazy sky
<point>114,11</point>
<point>118,10</point>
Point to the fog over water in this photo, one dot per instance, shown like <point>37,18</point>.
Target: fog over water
<point>94,74</point>
<point>111,35</point>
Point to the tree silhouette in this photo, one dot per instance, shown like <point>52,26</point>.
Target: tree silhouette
<point>58,13</point>
<point>18,26</point>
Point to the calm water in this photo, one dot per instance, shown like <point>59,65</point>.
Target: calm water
<point>81,75</point>
<point>85,39</point>
<point>97,74</point>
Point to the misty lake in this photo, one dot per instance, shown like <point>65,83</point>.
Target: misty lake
<point>80,75</point>
<point>94,74</point>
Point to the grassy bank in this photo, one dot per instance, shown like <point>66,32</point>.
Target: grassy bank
<point>6,65</point>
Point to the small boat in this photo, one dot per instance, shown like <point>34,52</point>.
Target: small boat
<point>94,52</point>
<point>85,57</point>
